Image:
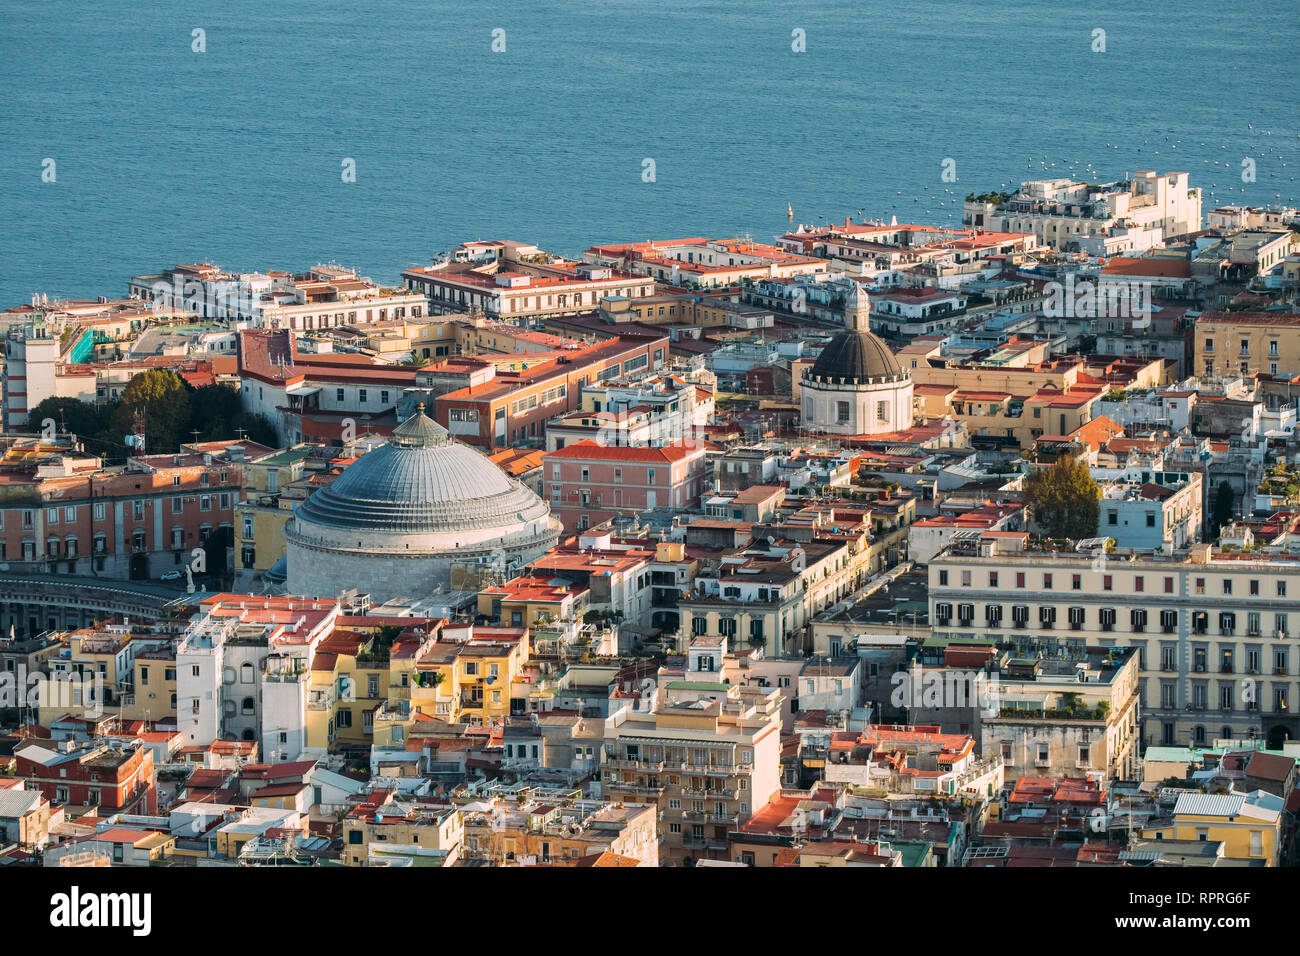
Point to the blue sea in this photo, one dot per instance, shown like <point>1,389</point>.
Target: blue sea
<point>234,155</point>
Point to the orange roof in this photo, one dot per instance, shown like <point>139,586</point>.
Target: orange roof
<point>587,450</point>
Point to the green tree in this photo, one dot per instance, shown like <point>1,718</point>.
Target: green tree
<point>164,401</point>
<point>69,414</point>
<point>256,428</point>
<point>1064,499</point>
<point>213,408</point>
<point>1225,500</point>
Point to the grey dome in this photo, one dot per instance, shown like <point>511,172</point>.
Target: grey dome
<point>422,481</point>
<point>856,356</point>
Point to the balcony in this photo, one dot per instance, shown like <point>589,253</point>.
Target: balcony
<point>645,790</point>
<point>725,770</point>
<point>729,819</point>
<point>644,766</point>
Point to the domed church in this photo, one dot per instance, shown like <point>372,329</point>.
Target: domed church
<point>856,386</point>
<point>399,518</point>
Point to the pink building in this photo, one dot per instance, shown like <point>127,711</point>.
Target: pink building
<point>587,483</point>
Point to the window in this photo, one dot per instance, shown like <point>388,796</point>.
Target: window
<point>1169,585</point>
<point>1106,582</point>
<point>1139,583</point>
<point>842,412</point>
<point>1076,582</point>
<point>1227,585</point>
<point>1047,582</point>
<point>1020,579</point>
<point>993,579</point>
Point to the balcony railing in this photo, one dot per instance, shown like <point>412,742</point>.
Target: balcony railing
<point>645,766</point>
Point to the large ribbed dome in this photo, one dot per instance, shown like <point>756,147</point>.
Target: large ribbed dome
<point>855,356</point>
<point>422,481</point>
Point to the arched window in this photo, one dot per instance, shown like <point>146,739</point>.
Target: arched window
<point>1198,735</point>
<point>246,673</point>
<point>248,705</point>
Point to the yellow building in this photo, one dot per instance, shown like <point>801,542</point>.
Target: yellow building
<point>1228,344</point>
<point>486,667</point>
<point>706,759</point>
<point>1248,826</point>
<point>136,675</point>
<point>251,824</point>
<point>260,517</point>
<point>419,832</point>
<point>528,601</point>
<point>545,832</point>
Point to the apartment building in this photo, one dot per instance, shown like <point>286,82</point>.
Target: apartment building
<point>376,833</point>
<point>656,410</point>
<point>1248,825</point>
<point>317,397</point>
<point>766,594</point>
<point>519,283</point>
<point>64,512</point>
<point>268,503</point>
<point>243,668</point>
<point>706,758</point>
<point>1065,712</point>
<point>1059,212</point>
<point>325,296</point>
<point>705,263</point>
<point>906,313</point>
<point>918,760</point>
<point>110,778</point>
<point>538,831</point>
<point>1213,630</point>
<point>1232,344</point>
<point>1158,510</point>
<point>501,407</point>
<point>587,484</point>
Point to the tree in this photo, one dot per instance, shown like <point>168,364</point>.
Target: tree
<point>69,414</point>
<point>164,401</point>
<point>213,408</point>
<point>1225,500</point>
<point>215,550</point>
<point>1064,499</point>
